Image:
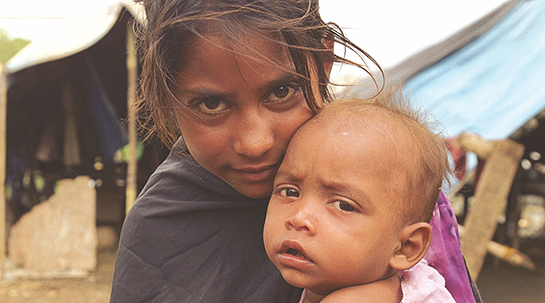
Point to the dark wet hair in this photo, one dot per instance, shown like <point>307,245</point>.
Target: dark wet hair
<point>171,26</point>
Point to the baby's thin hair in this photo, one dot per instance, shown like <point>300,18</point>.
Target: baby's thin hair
<point>421,140</point>
<point>172,25</point>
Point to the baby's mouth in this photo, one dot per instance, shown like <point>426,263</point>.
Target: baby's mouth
<point>296,253</point>
<point>293,255</point>
<point>295,250</point>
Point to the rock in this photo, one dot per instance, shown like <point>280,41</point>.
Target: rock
<point>107,238</point>
<point>60,233</point>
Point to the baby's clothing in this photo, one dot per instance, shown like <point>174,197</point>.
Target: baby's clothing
<point>423,284</point>
<point>420,284</point>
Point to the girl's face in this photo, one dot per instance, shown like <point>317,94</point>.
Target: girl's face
<point>240,111</point>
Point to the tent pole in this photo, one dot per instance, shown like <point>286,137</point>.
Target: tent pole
<point>3,115</point>
<point>132,162</point>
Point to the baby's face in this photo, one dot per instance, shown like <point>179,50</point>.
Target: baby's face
<point>330,221</point>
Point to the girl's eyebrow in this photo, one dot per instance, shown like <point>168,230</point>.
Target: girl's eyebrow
<point>287,77</point>
<point>282,79</point>
<point>217,93</point>
<point>200,92</point>
<point>209,93</point>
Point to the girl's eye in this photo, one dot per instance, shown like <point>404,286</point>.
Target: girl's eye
<point>283,93</point>
<point>344,206</point>
<point>289,192</point>
<point>212,106</point>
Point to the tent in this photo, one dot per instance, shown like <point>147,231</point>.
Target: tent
<point>486,79</point>
<point>67,112</point>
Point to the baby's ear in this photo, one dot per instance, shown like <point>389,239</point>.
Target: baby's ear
<point>415,240</point>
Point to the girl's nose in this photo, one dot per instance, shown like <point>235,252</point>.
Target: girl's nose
<point>255,136</point>
<point>302,220</point>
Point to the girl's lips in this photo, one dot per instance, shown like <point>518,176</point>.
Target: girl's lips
<point>257,174</point>
<point>293,255</point>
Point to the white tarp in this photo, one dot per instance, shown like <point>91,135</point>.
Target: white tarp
<point>59,28</point>
<point>392,30</point>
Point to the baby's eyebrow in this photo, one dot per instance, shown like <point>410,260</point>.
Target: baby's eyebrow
<point>351,190</point>
<point>335,186</point>
<point>287,175</point>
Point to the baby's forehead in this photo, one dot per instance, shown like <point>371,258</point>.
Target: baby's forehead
<point>368,118</point>
<point>384,133</point>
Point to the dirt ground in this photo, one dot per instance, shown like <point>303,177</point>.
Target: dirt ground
<point>94,288</point>
<point>499,283</point>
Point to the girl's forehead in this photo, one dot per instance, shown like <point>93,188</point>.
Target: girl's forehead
<point>213,64</point>
<point>258,46</point>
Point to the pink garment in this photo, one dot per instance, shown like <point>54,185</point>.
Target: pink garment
<point>445,253</point>
<point>423,284</point>
<point>420,284</point>
<point>303,295</point>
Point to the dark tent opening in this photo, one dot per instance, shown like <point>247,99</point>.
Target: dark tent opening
<point>67,118</point>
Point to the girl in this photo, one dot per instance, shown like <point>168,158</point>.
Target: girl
<point>226,84</point>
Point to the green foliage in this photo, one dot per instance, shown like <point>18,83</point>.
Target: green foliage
<point>9,47</point>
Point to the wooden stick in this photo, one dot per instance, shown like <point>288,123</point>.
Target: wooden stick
<point>132,162</point>
<point>502,161</point>
<point>506,253</point>
<point>3,127</point>
<point>473,143</point>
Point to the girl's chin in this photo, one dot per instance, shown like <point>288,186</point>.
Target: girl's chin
<point>258,194</point>
<point>255,191</point>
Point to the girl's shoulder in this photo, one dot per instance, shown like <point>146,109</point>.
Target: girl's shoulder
<point>181,176</point>
<point>180,185</point>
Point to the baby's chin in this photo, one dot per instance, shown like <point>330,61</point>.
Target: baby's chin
<point>306,283</point>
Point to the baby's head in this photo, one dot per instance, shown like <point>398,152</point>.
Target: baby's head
<point>353,196</point>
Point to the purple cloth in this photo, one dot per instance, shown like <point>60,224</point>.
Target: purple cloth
<point>445,253</point>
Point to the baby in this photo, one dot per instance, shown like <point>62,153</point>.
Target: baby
<point>348,218</point>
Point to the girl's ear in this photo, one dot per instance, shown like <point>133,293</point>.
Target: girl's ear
<point>415,240</point>
<point>329,43</point>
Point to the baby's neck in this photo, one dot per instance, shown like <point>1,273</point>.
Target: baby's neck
<point>384,290</point>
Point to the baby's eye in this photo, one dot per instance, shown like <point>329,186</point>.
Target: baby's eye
<point>288,192</point>
<point>283,93</point>
<point>212,106</point>
<point>344,206</point>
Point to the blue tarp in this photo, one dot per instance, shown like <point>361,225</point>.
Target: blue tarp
<point>494,84</point>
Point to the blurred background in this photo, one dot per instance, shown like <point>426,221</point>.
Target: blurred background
<point>477,66</point>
